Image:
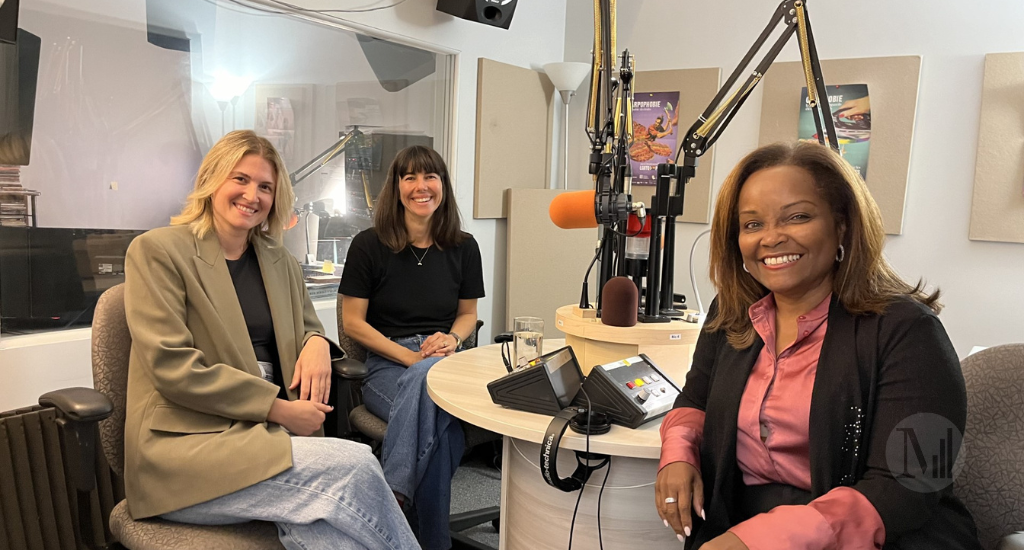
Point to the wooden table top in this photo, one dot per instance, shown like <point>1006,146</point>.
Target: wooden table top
<point>458,384</point>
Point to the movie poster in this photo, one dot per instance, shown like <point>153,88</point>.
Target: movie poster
<point>851,112</point>
<point>654,134</point>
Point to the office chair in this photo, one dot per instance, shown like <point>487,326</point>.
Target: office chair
<point>990,484</point>
<point>111,346</point>
<point>373,427</point>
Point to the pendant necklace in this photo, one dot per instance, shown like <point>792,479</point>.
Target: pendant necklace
<point>419,259</point>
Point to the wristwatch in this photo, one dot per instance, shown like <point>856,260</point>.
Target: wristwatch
<point>458,341</point>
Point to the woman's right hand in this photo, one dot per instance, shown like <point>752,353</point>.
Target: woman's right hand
<point>681,483</point>
<point>299,417</point>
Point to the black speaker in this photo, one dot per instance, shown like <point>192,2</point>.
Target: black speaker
<point>496,13</point>
<point>9,21</point>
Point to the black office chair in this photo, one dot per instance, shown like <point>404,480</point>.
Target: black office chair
<point>374,428</point>
<point>83,407</point>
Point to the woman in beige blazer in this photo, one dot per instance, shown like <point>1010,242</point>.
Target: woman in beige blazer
<point>229,369</point>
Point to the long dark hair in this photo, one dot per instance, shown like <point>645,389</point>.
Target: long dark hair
<point>864,282</point>
<point>389,216</point>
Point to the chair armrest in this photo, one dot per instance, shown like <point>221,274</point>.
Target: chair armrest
<point>81,409</point>
<point>349,369</point>
<point>79,404</point>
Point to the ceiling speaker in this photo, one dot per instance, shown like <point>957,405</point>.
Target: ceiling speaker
<point>496,13</point>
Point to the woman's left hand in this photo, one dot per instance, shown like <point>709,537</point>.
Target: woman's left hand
<point>313,371</point>
<point>725,541</point>
<point>438,344</point>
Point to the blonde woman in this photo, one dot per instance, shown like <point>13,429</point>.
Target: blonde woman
<point>812,355</point>
<point>230,370</point>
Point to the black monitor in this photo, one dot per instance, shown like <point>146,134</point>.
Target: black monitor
<point>51,277</point>
<point>565,375</point>
<point>19,71</point>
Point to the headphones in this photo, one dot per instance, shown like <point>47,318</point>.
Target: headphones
<point>581,421</point>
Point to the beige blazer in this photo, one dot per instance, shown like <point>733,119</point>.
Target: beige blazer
<point>197,407</point>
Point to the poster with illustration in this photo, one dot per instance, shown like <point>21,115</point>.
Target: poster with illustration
<point>281,126</point>
<point>851,112</point>
<point>654,134</point>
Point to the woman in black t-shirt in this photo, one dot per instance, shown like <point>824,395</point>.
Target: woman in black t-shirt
<point>409,294</point>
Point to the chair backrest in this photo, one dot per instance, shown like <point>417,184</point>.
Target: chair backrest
<point>111,347</point>
<point>352,349</point>
<point>991,483</point>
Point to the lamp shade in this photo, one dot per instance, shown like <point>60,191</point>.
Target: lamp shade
<point>567,75</point>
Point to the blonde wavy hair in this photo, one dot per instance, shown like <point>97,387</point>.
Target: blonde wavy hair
<point>214,171</point>
<point>864,282</point>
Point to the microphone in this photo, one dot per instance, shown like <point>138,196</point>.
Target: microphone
<point>573,210</point>
<point>620,302</point>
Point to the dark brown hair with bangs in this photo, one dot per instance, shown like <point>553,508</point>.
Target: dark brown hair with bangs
<point>864,282</point>
<point>389,215</point>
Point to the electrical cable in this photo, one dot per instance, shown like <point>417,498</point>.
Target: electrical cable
<point>600,537</point>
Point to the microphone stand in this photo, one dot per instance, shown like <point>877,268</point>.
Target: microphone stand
<point>672,178</point>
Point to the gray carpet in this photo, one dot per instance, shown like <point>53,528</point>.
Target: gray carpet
<point>477,484</point>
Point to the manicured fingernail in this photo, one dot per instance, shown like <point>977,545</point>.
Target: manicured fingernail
<point>702,515</point>
<point>666,522</point>
<point>681,538</point>
<point>686,530</point>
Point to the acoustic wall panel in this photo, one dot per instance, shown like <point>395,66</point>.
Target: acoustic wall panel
<point>997,211</point>
<point>513,134</point>
<point>893,88</point>
<point>545,264</point>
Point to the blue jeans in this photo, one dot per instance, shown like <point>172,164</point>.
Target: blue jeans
<point>423,444</point>
<point>333,497</point>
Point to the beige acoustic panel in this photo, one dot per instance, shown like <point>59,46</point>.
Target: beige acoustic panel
<point>545,264</point>
<point>513,134</point>
<point>997,212</point>
<point>696,87</point>
<point>892,85</point>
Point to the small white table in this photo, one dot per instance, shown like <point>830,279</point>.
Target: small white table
<point>533,514</point>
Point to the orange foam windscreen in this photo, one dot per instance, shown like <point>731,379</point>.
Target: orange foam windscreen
<point>573,210</point>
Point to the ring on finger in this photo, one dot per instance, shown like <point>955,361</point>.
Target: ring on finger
<point>670,500</point>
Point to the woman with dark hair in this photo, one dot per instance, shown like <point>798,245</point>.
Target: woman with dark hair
<point>409,294</point>
<point>814,361</point>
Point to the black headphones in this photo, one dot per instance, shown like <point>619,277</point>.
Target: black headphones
<point>582,421</point>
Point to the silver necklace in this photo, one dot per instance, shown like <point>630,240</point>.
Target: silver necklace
<point>419,259</point>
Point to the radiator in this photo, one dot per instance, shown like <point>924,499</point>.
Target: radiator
<point>39,508</point>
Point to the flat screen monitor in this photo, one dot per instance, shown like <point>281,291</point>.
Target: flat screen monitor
<point>564,373</point>
<point>51,277</point>
<point>19,72</point>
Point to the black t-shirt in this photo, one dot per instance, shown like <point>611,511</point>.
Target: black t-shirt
<point>408,296</point>
<point>252,296</point>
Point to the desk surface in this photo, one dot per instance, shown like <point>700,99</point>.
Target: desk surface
<point>458,384</point>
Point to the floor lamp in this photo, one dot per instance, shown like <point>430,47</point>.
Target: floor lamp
<point>566,76</point>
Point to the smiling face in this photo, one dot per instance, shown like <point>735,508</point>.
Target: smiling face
<point>421,194</point>
<point>244,200</point>
<point>787,234</point>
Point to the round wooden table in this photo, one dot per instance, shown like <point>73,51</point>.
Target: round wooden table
<point>535,515</point>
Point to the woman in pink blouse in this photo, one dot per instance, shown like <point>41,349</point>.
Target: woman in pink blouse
<point>812,355</point>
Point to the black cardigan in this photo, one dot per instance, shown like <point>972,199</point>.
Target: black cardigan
<point>873,372</point>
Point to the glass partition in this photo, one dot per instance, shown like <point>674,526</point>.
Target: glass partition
<point>130,95</point>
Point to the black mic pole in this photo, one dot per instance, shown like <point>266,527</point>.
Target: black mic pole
<point>657,212</point>
<point>677,194</point>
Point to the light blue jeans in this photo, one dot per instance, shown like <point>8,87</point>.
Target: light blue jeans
<point>333,497</point>
<point>423,444</point>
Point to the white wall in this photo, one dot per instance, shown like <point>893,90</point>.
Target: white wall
<point>981,281</point>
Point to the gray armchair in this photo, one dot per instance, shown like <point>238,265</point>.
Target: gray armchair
<point>991,483</point>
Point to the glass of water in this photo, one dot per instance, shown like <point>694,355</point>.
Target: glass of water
<point>528,341</point>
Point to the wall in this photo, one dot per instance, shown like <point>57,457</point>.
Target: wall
<point>981,281</point>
